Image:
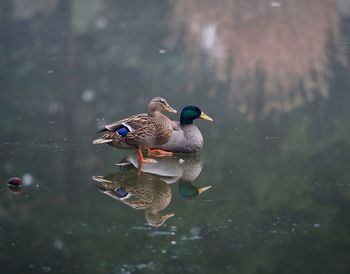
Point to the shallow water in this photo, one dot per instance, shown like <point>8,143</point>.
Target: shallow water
<point>279,182</point>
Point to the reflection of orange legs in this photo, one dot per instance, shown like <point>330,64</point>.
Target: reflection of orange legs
<point>142,160</point>
<point>158,153</point>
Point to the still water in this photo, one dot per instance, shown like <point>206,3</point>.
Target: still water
<point>269,192</point>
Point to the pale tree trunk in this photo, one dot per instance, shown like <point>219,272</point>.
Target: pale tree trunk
<point>65,81</point>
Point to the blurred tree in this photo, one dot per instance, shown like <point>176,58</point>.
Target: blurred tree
<point>6,33</point>
<point>65,82</point>
<point>272,56</point>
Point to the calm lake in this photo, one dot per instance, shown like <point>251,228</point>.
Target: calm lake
<point>268,193</point>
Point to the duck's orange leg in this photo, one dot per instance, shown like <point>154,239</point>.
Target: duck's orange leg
<point>142,160</point>
<point>158,152</point>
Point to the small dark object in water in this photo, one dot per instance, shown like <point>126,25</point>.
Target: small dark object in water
<point>15,189</point>
<point>14,181</point>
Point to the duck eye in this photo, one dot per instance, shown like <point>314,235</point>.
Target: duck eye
<point>160,100</point>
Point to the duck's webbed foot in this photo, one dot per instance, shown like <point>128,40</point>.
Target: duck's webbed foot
<point>158,153</point>
<point>142,160</point>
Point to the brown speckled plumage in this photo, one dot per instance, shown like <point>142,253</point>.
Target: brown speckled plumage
<point>146,130</point>
<point>145,192</point>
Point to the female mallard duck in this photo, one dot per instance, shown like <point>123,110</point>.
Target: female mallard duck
<point>139,191</point>
<point>141,131</point>
<point>186,137</point>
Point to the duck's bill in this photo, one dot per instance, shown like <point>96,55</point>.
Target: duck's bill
<point>205,117</point>
<point>170,109</point>
<point>203,188</point>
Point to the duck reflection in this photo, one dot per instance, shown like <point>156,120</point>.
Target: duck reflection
<point>140,191</point>
<point>189,191</point>
<point>182,168</point>
<point>150,189</point>
<point>171,169</point>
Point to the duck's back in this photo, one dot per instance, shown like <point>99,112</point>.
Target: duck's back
<point>185,139</point>
<point>141,130</point>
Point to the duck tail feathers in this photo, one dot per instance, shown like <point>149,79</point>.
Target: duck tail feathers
<point>101,130</point>
<point>102,141</point>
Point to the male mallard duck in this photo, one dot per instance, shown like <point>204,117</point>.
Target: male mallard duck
<point>184,170</point>
<point>186,137</point>
<point>171,169</point>
<point>141,131</point>
<point>139,191</point>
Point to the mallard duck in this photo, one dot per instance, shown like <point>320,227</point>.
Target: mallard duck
<point>171,169</point>
<point>141,131</point>
<point>183,169</point>
<point>139,191</point>
<point>186,137</point>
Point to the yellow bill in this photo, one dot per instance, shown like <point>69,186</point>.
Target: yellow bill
<point>205,117</point>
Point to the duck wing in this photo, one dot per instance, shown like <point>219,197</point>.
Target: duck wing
<point>131,123</point>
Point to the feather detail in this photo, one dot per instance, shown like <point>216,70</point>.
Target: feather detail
<point>123,131</point>
<point>102,141</point>
<point>144,130</point>
<point>121,192</point>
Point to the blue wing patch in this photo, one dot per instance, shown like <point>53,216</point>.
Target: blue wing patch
<point>121,192</point>
<point>123,131</point>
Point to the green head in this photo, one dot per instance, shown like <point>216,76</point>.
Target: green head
<point>189,191</point>
<point>190,113</point>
